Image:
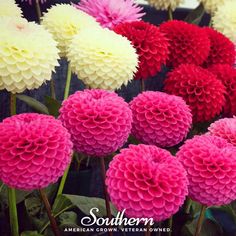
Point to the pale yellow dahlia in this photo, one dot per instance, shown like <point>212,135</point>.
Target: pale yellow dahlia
<point>211,5</point>
<point>28,55</point>
<point>9,8</point>
<point>64,21</point>
<point>102,59</point>
<point>224,19</point>
<point>165,4</point>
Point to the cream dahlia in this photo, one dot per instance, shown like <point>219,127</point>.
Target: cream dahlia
<point>211,6</point>
<point>64,21</point>
<point>165,4</point>
<point>102,59</point>
<point>28,55</point>
<point>9,8</point>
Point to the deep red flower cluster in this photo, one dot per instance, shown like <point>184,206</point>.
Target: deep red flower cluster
<point>151,45</point>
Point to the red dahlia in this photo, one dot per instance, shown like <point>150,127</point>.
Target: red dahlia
<point>151,45</point>
<point>188,43</point>
<point>222,49</point>
<point>199,88</point>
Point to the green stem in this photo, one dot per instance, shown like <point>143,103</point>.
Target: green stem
<point>170,14</point>
<point>38,10</point>
<point>12,104</point>
<point>52,88</point>
<point>170,224</point>
<point>13,212</point>
<point>148,233</point>
<point>200,221</point>
<point>142,85</point>
<point>188,204</point>
<point>68,81</point>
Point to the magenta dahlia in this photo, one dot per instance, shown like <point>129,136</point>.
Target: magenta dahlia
<point>147,181</point>
<point>227,75</point>
<point>199,88</point>
<point>99,121</point>
<point>152,46</point>
<point>222,49</point>
<point>188,43</point>
<point>160,119</point>
<point>34,151</point>
<point>225,128</point>
<point>211,166</point>
<point>110,13</point>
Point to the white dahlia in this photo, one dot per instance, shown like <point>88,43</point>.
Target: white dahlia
<point>102,59</point>
<point>165,4</point>
<point>9,8</point>
<point>64,21</point>
<point>28,55</point>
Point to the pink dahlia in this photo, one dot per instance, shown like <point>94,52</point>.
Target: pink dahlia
<point>160,119</point>
<point>227,75</point>
<point>211,166</point>
<point>147,181</point>
<point>152,46</point>
<point>110,13</point>
<point>99,121</point>
<point>34,151</point>
<point>225,128</point>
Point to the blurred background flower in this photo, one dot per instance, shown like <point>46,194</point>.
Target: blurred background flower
<point>28,55</point>
<point>165,4</point>
<point>109,13</point>
<point>211,6</point>
<point>34,151</point>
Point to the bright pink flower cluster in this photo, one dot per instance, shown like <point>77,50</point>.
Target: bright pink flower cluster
<point>160,119</point>
<point>99,121</point>
<point>210,162</point>
<point>34,151</point>
<point>147,181</point>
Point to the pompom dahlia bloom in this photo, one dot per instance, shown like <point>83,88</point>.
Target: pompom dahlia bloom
<point>188,42</point>
<point>64,21</point>
<point>165,4</point>
<point>34,151</point>
<point>100,64</point>
<point>224,19</point>
<point>99,121</point>
<point>225,128</point>
<point>211,166</point>
<point>211,6</point>
<point>109,13</point>
<point>150,43</point>
<point>160,119</point>
<point>227,75</point>
<point>147,181</point>
<point>28,55</point>
<point>10,9</point>
<point>222,49</point>
<point>199,88</point>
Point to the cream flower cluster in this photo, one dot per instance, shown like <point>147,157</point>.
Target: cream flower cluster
<point>64,21</point>
<point>9,8</point>
<point>224,19</point>
<point>28,55</point>
<point>211,5</point>
<point>102,59</point>
<point>165,4</point>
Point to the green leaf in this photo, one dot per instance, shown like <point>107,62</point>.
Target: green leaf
<point>30,233</point>
<point>195,16</point>
<point>53,106</point>
<point>227,209</point>
<point>68,219</point>
<point>33,103</point>
<point>33,206</point>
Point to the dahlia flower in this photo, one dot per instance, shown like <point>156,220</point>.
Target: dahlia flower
<point>199,88</point>
<point>100,64</point>
<point>99,121</point>
<point>160,119</point>
<point>34,151</point>
<point>225,128</point>
<point>150,43</point>
<point>9,8</point>
<point>227,75</point>
<point>224,19</point>
<point>64,21</point>
<point>188,43</point>
<point>147,181</point>
<point>222,50</point>
<point>28,55</point>
<point>165,4</point>
<point>109,13</point>
<point>211,166</point>
<point>211,6</point>
<point>30,1</point>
